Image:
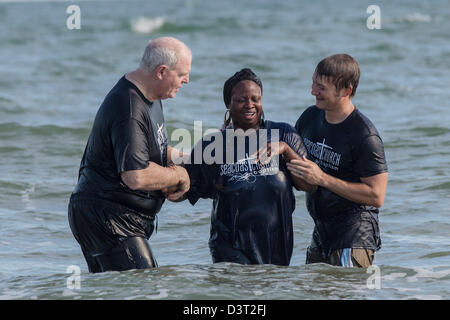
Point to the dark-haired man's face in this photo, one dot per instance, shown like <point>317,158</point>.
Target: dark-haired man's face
<point>246,105</point>
<point>327,96</point>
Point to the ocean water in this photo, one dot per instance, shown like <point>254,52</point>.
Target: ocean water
<point>53,80</point>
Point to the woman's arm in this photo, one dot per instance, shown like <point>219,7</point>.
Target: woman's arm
<point>289,155</point>
<point>282,148</point>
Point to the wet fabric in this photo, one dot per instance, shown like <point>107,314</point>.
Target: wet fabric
<point>99,225</point>
<point>347,257</point>
<point>251,218</point>
<point>103,229</point>
<point>349,151</point>
<point>127,134</point>
<point>131,253</point>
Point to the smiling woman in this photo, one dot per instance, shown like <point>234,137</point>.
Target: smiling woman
<point>53,80</point>
<point>251,219</point>
<point>242,95</point>
<point>246,106</point>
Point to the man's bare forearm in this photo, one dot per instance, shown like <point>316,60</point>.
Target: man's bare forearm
<point>370,192</point>
<point>154,177</point>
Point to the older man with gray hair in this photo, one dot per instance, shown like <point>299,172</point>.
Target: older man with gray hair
<point>127,162</point>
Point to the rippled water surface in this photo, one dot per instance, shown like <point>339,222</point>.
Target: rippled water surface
<point>54,79</point>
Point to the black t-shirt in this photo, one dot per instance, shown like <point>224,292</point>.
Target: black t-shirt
<point>128,133</point>
<point>253,203</point>
<point>349,151</point>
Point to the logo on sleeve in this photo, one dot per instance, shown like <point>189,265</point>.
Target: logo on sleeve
<point>324,154</point>
<point>161,137</point>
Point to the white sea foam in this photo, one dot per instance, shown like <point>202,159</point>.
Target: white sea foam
<point>68,293</point>
<point>395,275</point>
<point>26,198</point>
<point>428,297</point>
<point>418,17</point>
<point>415,17</point>
<point>146,24</point>
<point>403,238</point>
<point>163,293</point>
<point>426,273</point>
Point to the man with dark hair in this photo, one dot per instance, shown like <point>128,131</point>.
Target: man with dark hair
<point>127,162</point>
<point>346,162</point>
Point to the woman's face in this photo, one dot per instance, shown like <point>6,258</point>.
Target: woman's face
<point>246,105</point>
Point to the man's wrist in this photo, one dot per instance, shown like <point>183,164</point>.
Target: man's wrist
<point>175,175</point>
<point>181,174</point>
<point>324,180</point>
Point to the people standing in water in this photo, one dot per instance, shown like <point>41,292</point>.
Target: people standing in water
<point>253,201</point>
<point>127,162</point>
<point>346,162</point>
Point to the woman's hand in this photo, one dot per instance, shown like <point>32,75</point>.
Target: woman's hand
<point>265,154</point>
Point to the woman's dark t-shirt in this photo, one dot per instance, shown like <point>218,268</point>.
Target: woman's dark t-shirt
<point>252,203</point>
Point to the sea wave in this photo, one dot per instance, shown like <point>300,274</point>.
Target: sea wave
<point>414,18</point>
<point>147,24</point>
<point>232,281</point>
<point>12,129</point>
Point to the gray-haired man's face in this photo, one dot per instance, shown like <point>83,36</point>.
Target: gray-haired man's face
<point>173,79</point>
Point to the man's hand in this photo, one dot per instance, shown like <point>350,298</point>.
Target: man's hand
<point>370,191</point>
<point>306,170</point>
<point>176,193</point>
